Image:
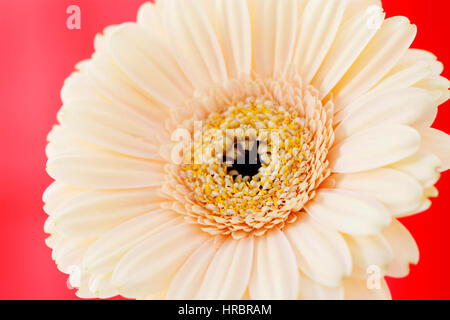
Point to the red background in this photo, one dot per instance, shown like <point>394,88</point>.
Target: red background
<point>38,52</point>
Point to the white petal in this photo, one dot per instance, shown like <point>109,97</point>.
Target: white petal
<point>274,39</point>
<point>357,289</point>
<point>381,54</point>
<point>348,211</point>
<point>189,278</point>
<point>423,166</point>
<point>405,78</point>
<point>424,206</point>
<point>68,253</point>
<point>106,252</point>
<point>150,64</point>
<point>319,25</point>
<point>112,126</point>
<point>437,142</point>
<point>235,31</point>
<point>413,56</point>
<point>92,213</point>
<point>411,106</point>
<point>63,141</point>
<point>82,282</point>
<point>373,148</point>
<point>376,98</point>
<point>368,252</point>
<point>149,267</point>
<point>398,191</point>
<point>100,42</point>
<point>356,6</point>
<point>157,296</point>
<point>321,252</point>
<point>194,43</point>
<point>352,38</point>
<point>311,290</point>
<point>111,81</point>
<point>275,274</point>
<point>77,86</point>
<point>101,286</point>
<point>150,16</point>
<point>105,170</point>
<point>404,248</point>
<point>414,66</point>
<point>57,194</point>
<point>229,272</point>
<point>438,86</point>
<point>80,66</point>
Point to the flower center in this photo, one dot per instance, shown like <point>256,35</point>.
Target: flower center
<point>248,160</point>
<point>247,163</point>
<point>256,154</point>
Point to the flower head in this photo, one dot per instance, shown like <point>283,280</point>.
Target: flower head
<point>245,149</point>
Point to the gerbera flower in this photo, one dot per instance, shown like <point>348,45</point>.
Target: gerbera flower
<point>309,213</point>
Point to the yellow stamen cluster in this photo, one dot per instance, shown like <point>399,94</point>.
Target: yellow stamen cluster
<point>283,150</point>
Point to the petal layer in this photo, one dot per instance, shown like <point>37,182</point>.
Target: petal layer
<point>321,253</point>
<point>374,148</point>
<point>348,211</point>
<point>275,274</point>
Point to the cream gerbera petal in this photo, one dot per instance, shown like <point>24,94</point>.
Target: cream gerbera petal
<point>411,106</point>
<point>152,65</point>
<point>92,213</point>
<point>149,267</point>
<point>321,252</point>
<point>349,212</point>
<point>81,281</point>
<point>422,112</point>
<point>114,84</point>
<point>228,274</point>
<point>68,252</point>
<point>367,251</point>
<point>311,290</point>
<point>77,87</point>
<point>112,126</point>
<point>194,43</point>
<point>57,194</point>
<point>63,142</point>
<point>189,278</point>
<point>105,253</point>
<point>275,272</point>
<point>351,40</point>
<point>412,56</point>
<point>318,28</point>
<point>105,170</point>
<point>356,6</point>
<point>398,191</point>
<point>404,248</point>
<point>381,54</point>
<point>423,166</point>
<point>438,143</point>
<point>236,37</point>
<point>415,66</point>
<point>101,286</point>
<point>357,289</point>
<point>388,144</point>
<point>273,40</point>
<point>150,17</point>
<point>100,40</point>
<point>438,86</point>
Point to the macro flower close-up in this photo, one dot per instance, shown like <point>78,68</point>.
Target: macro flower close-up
<point>245,149</point>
